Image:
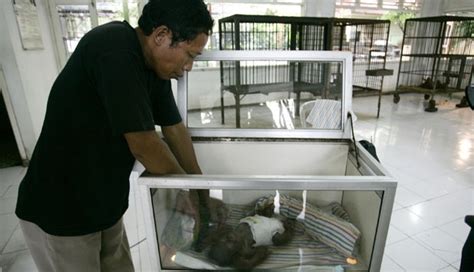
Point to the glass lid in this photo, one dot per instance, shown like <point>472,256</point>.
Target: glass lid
<point>292,94</point>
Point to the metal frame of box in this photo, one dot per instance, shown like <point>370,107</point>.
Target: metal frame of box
<point>385,184</point>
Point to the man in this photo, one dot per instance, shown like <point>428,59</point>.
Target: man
<point>100,117</point>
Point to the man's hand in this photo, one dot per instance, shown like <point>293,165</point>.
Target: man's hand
<point>218,211</point>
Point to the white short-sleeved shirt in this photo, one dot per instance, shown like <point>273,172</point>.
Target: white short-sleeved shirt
<point>263,229</point>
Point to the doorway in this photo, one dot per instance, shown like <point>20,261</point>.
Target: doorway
<point>9,154</point>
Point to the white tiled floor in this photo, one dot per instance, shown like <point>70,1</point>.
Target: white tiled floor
<point>431,154</point>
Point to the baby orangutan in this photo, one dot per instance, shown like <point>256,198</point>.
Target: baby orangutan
<point>246,245</point>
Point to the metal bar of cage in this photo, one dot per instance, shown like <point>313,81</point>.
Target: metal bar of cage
<point>437,57</point>
<point>309,33</point>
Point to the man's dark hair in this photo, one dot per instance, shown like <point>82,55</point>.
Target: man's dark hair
<point>185,18</point>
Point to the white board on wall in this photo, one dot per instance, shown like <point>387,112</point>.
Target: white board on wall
<point>28,24</point>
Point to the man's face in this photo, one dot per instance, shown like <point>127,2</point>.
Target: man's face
<point>171,61</point>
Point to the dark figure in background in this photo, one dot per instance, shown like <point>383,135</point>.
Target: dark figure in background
<point>467,260</point>
<point>465,102</point>
<point>100,118</point>
<point>429,84</point>
<point>246,246</point>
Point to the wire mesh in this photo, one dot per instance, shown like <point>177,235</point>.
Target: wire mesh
<point>437,54</point>
<point>366,39</point>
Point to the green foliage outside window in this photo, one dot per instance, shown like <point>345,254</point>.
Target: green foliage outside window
<point>398,18</point>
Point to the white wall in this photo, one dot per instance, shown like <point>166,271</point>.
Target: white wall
<point>442,7</point>
<point>390,82</point>
<point>431,8</point>
<point>318,8</point>
<point>28,74</point>
<point>458,5</point>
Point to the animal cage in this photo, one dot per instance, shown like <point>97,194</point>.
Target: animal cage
<point>437,56</point>
<point>366,39</point>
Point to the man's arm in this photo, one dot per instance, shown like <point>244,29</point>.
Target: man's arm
<point>179,141</point>
<point>153,153</point>
<point>176,156</point>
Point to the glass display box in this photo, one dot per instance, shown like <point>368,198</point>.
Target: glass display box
<point>302,169</point>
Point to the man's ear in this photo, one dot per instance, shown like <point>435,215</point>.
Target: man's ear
<point>161,34</point>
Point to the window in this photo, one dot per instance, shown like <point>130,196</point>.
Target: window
<point>73,19</point>
<point>374,8</point>
<point>221,9</point>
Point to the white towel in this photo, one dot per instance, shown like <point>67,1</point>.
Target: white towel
<point>326,114</point>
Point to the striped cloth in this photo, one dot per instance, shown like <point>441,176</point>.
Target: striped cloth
<point>326,114</point>
<point>332,228</point>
